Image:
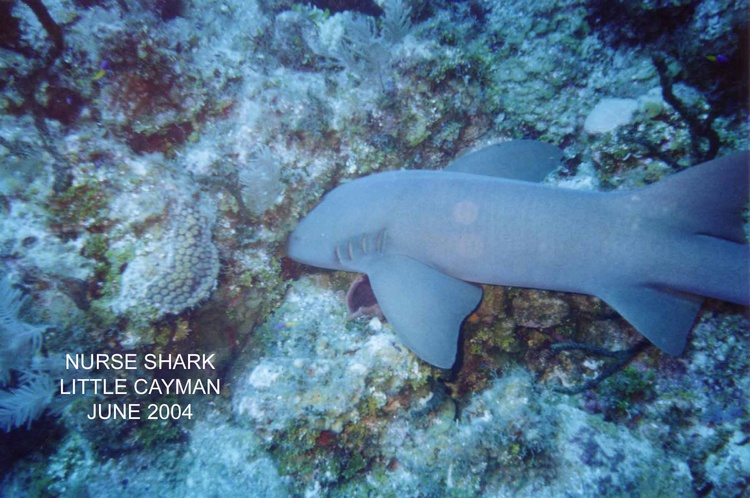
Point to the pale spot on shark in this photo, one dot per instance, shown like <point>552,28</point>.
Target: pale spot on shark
<point>465,212</point>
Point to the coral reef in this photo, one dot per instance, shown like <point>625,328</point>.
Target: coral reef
<point>375,368</point>
<point>156,155</point>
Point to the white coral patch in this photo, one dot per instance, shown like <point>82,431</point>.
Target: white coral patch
<point>610,114</point>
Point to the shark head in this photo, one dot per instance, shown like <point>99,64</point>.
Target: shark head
<point>312,240</point>
<point>360,227</point>
<point>315,239</point>
<point>346,228</point>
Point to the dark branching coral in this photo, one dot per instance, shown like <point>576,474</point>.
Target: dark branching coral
<point>712,49</point>
<point>619,360</point>
<point>10,31</point>
<point>11,36</point>
<point>639,22</point>
<point>168,9</point>
<point>50,26</point>
<point>29,83</point>
<point>700,130</point>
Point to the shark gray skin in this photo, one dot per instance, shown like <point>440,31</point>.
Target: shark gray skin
<point>425,238</point>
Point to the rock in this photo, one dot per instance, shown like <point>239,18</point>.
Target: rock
<point>539,310</point>
<point>610,114</point>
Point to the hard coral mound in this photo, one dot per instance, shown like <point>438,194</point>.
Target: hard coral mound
<point>176,269</point>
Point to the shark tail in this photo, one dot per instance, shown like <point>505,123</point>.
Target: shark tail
<point>708,199</point>
<point>700,211</point>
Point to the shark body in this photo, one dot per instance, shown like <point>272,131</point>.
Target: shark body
<point>425,238</point>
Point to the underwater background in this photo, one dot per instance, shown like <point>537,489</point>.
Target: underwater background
<point>156,154</point>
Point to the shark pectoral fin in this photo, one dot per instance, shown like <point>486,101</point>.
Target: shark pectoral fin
<point>664,317</point>
<point>424,306</point>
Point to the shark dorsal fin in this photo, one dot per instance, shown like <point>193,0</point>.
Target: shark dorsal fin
<point>527,160</point>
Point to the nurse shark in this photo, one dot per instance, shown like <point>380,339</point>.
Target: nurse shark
<point>426,238</point>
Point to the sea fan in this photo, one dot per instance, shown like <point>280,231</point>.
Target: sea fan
<point>362,51</point>
<point>18,340</point>
<point>396,23</point>
<point>366,50</point>
<point>25,403</point>
<point>260,180</point>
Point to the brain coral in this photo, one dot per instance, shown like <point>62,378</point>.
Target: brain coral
<point>175,270</point>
